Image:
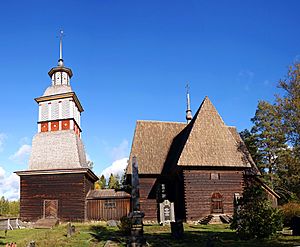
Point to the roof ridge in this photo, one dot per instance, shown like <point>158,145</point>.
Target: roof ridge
<point>158,121</point>
<point>208,142</point>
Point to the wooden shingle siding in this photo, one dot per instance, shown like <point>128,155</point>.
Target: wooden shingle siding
<point>69,189</point>
<point>199,189</point>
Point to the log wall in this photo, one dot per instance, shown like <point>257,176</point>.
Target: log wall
<point>69,189</point>
<point>148,205</point>
<point>199,186</point>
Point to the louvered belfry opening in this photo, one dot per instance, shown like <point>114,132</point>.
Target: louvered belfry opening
<point>216,203</point>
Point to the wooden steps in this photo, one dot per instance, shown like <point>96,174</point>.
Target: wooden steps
<point>206,220</point>
<point>46,223</point>
<point>226,218</point>
<point>215,219</point>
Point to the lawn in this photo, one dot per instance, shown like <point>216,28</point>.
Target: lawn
<point>97,234</point>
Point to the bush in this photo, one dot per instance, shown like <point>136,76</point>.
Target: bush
<point>290,210</point>
<point>125,225</point>
<point>255,217</point>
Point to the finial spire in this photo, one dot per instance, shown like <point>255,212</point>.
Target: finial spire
<point>188,104</point>
<point>60,61</point>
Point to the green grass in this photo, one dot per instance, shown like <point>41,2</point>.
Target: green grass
<point>97,235</point>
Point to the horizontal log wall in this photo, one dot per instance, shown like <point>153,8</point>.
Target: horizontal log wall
<point>97,210</point>
<point>148,206</point>
<point>69,189</point>
<point>199,187</point>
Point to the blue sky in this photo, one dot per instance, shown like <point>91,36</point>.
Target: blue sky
<point>132,59</point>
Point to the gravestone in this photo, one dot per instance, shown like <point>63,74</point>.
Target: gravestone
<point>177,230</point>
<point>70,230</point>
<point>112,223</point>
<point>166,212</point>
<point>31,244</point>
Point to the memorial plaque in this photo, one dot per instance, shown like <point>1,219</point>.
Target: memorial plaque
<point>166,212</point>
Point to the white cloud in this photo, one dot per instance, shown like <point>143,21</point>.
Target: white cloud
<point>88,158</point>
<point>117,167</point>
<point>2,140</point>
<point>9,186</point>
<point>24,140</point>
<point>22,155</point>
<point>2,172</point>
<point>120,151</point>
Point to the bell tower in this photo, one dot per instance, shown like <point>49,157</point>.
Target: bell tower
<point>59,107</point>
<point>58,177</point>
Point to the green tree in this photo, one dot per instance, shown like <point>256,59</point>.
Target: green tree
<point>268,141</point>
<point>251,142</point>
<point>9,208</point>
<point>4,206</point>
<point>102,182</point>
<point>255,217</point>
<point>289,105</point>
<point>269,136</point>
<point>114,182</point>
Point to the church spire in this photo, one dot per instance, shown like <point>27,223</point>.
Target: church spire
<point>60,60</point>
<point>188,105</point>
<point>60,75</point>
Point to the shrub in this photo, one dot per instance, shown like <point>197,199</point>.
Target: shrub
<point>289,210</point>
<point>125,225</point>
<point>255,217</point>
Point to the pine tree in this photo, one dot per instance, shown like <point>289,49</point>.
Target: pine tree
<point>289,105</point>
<point>113,182</point>
<point>251,142</point>
<point>102,182</point>
<point>269,136</point>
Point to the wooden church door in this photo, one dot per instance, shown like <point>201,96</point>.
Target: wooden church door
<point>50,209</point>
<point>216,203</point>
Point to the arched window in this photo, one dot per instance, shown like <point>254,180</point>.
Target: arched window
<point>216,203</point>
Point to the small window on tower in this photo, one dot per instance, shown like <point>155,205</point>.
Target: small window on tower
<point>44,112</point>
<point>54,110</point>
<point>65,109</point>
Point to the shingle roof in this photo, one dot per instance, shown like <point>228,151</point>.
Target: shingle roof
<point>57,150</point>
<point>151,143</point>
<point>57,89</point>
<point>205,141</point>
<point>210,142</point>
<point>107,193</point>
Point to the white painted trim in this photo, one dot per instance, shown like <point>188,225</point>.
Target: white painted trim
<point>40,113</point>
<point>71,109</point>
<point>71,124</point>
<point>59,109</point>
<point>49,111</point>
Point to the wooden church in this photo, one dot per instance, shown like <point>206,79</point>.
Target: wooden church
<point>58,178</point>
<point>202,164</point>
